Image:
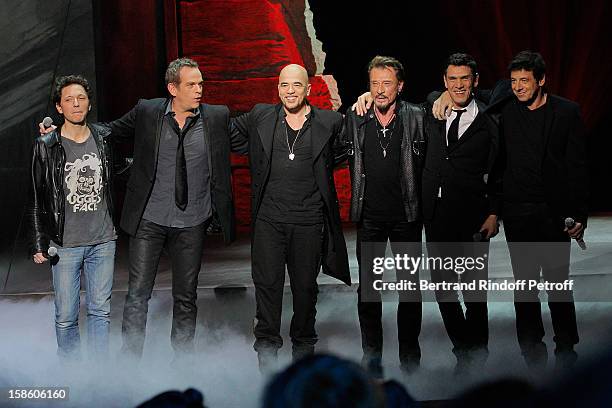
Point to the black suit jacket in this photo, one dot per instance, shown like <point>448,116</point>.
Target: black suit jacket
<point>253,133</point>
<point>564,168</point>
<point>143,124</point>
<point>468,172</point>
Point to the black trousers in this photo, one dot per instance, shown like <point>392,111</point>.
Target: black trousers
<point>538,244</point>
<point>185,247</point>
<point>450,234</point>
<point>369,306</point>
<point>298,248</point>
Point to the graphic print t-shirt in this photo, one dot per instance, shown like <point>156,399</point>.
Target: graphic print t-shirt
<point>87,220</point>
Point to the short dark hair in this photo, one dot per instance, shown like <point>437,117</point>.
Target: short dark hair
<point>173,73</point>
<point>461,59</point>
<point>529,61</point>
<point>322,380</point>
<point>68,80</point>
<point>380,61</point>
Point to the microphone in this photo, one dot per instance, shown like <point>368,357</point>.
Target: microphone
<point>571,223</point>
<point>47,122</point>
<point>51,254</point>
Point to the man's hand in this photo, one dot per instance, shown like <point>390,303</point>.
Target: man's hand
<point>43,131</point>
<point>363,104</point>
<point>576,232</point>
<point>490,226</point>
<point>442,106</point>
<point>39,258</point>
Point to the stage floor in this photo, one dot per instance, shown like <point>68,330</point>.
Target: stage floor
<point>225,367</point>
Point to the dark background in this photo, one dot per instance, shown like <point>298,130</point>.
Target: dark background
<point>120,45</point>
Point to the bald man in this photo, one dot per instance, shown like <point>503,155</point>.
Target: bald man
<point>294,209</point>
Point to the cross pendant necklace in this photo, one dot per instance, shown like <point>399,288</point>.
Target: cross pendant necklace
<point>384,131</point>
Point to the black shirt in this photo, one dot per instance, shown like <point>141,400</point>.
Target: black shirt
<point>291,195</point>
<point>524,137</point>
<point>383,193</point>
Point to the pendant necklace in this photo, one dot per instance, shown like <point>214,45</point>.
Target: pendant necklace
<point>384,130</point>
<point>291,147</point>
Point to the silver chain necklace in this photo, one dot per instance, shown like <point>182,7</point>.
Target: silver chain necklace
<point>291,147</point>
<point>384,131</point>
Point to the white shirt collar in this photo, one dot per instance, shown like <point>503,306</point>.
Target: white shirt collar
<point>471,110</point>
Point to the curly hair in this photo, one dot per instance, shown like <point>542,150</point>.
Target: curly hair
<point>68,80</point>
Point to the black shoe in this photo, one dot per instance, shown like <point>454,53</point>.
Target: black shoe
<point>565,359</point>
<point>267,360</point>
<point>297,353</point>
<point>478,358</point>
<point>463,368</point>
<point>373,366</point>
<point>409,366</point>
<point>536,358</point>
<point>463,365</point>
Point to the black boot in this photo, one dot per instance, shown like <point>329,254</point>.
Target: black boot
<point>373,365</point>
<point>267,360</point>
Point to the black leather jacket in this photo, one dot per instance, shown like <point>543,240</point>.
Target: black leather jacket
<point>47,200</point>
<point>411,158</point>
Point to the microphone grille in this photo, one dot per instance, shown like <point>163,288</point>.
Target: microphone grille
<point>569,222</point>
<point>47,122</point>
<point>52,251</point>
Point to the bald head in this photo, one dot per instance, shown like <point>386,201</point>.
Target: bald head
<point>294,71</point>
<point>293,87</point>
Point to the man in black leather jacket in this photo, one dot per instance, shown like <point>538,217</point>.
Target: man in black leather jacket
<point>385,177</point>
<point>70,213</point>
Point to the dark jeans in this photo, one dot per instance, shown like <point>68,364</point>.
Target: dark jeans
<point>451,235</point>
<point>298,247</point>
<point>537,243</point>
<point>185,247</point>
<point>369,306</point>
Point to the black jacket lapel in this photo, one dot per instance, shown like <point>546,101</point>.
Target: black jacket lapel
<point>362,121</point>
<point>159,121</point>
<point>265,127</point>
<point>206,125</point>
<point>320,135</point>
<point>549,121</point>
<point>470,130</point>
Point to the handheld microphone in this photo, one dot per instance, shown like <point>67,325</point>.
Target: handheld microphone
<point>571,223</point>
<point>47,122</point>
<point>51,253</point>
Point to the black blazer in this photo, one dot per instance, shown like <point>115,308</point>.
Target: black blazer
<point>143,124</point>
<point>564,168</point>
<point>253,133</point>
<point>467,172</point>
